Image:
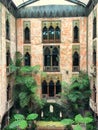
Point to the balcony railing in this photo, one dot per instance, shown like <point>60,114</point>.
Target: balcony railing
<point>51,68</point>
<point>51,41</point>
<point>76,69</point>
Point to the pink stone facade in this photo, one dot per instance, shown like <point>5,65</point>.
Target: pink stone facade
<point>66,44</point>
<point>91,42</point>
<point>5,78</point>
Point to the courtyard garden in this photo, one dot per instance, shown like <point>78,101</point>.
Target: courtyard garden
<point>30,112</point>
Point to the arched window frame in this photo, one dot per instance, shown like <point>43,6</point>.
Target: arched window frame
<point>8,58</point>
<point>76,34</point>
<point>53,59</point>
<point>94,57</point>
<point>52,30</point>
<point>94,28</point>
<point>44,87</point>
<point>58,87</point>
<point>7,29</point>
<point>51,33</point>
<point>45,34</point>
<point>27,34</point>
<point>76,61</point>
<point>57,34</point>
<point>27,59</point>
<point>47,56</point>
<point>52,87</point>
<point>8,92</point>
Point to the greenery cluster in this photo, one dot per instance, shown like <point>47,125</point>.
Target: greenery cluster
<point>78,121</point>
<point>76,95</point>
<point>19,121</point>
<point>25,88</point>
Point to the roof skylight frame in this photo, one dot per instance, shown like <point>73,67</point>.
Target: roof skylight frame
<point>24,3</point>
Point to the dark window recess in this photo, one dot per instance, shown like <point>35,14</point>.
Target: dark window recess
<point>8,92</point>
<point>45,33</point>
<point>47,57</point>
<point>51,89</point>
<point>75,61</point>
<point>55,53</point>
<point>51,58</point>
<point>58,87</point>
<point>57,34</point>
<point>94,27</point>
<point>7,30</point>
<point>27,59</point>
<point>76,34</point>
<point>51,34</point>
<point>44,87</point>
<point>94,57</point>
<point>8,58</point>
<point>26,34</point>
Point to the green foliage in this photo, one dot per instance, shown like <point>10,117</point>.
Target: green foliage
<point>78,120</point>
<point>24,92</point>
<point>77,93</point>
<point>77,127</point>
<point>19,117</point>
<point>81,119</point>
<point>67,122</point>
<point>21,122</point>
<point>32,116</point>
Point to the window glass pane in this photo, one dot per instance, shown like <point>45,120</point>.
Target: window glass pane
<point>51,88</point>
<point>44,87</point>
<point>27,34</point>
<point>76,33</point>
<point>75,59</point>
<point>51,33</point>
<point>57,33</point>
<point>55,57</point>
<point>94,57</point>
<point>7,30</point>
<point>58,87</point>
<point>45,33</point>
<point>27,61</point>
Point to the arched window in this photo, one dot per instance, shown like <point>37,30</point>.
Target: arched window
<point>94,27</point>
<point>76,34</point>
<point>27,60</point>
<point>94,57</point>
<point>7,29</point>
<point>55,59</point>
<point>45,33</point>
<point>8,92</point>
<point>75,59</point>
<point>47,57</point>
<point>44,87</point>
<point>51,33</point>
<point>8,58</point>
<point>27,34</point>
<point>51,88</point>
<point>57,33</point>
<point>58,87</point>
